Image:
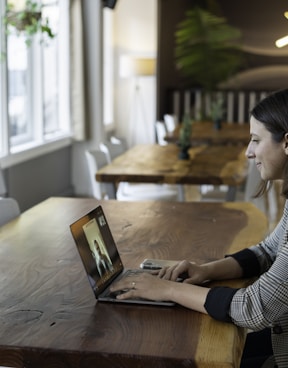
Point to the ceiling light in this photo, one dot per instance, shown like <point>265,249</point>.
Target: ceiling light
<point>281,42</point>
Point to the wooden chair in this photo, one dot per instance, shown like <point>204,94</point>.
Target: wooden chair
<point>9,209</point>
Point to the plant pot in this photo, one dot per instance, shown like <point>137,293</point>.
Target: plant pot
<point>21,20</point>
<point>217,124</point>
<point>184,153</point>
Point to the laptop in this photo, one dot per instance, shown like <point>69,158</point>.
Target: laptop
<point>101,258</point>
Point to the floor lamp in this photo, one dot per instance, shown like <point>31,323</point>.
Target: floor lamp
<point>141,125</point>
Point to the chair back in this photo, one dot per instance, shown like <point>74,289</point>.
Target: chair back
<point>160,133</point>
<point>252,181</point>
<point>251,185</point>
<point>119,140</point>
<point>9,209</point>
<point>95,160</point>
<point>267,203</point>
<point>170,122</point>
<point>112,150</point>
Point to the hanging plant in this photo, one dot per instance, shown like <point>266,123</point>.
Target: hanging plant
<point>28,21</point>
<point>207,49</point>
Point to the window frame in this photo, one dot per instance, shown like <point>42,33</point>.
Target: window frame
<point>108,69</point>
<point>41,143</point>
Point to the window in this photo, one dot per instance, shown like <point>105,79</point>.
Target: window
<point>36,92</point>
<point>18,90</point>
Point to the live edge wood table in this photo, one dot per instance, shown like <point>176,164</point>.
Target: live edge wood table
<point>154,163</point>
<point>204,133</point>
<point>50,319</point>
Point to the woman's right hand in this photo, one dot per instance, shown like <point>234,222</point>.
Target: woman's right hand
<point>190,271</point>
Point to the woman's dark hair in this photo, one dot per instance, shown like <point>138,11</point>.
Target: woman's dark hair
<point>272,111</point>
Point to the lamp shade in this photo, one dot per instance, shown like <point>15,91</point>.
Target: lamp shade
<point>139,67</point>
<point>144,67</point>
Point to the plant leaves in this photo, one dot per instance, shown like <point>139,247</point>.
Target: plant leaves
<point>207,48</point>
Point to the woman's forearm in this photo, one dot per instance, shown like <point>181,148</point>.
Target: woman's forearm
<point>223,269</point>
<point>190,296</point>
<point>194,296</point>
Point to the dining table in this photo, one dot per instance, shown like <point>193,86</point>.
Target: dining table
<point>205,132</point>
<point>154,163</point>
<point>49,317</point>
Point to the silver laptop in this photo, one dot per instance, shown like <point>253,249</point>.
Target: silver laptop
<point>101,258</point>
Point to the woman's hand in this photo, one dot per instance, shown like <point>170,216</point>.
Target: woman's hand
<point>148,286</point>
<point>143,285</point>
<point>189,271</point>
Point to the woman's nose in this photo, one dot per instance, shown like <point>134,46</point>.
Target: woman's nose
<point>249,153</point>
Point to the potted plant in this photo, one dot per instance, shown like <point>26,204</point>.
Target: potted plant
<point>217,111</point>
<point>207,49</point>
<point>185,137</point>
<point>28,21</point>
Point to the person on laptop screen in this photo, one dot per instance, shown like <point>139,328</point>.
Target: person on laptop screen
<point>263,305</point>
<point>103,261</point>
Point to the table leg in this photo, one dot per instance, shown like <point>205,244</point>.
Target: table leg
<point>181,193</point>
<point>110,189</point>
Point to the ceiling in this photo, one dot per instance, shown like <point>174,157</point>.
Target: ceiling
<point>261,24</point>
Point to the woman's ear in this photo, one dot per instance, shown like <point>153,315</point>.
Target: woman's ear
<point>286,143</point>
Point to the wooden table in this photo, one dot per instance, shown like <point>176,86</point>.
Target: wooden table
<point>153,163</point>
<point>49,317</point>
<point>205,133</point>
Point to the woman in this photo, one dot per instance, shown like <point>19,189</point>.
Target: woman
<point>262,306</point>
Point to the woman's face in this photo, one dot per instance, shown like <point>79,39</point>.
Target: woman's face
<point>270,157</point>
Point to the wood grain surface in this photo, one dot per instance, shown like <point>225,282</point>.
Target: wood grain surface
<point>204,132</point>
<point>50,319</point>
<point>160,164</point>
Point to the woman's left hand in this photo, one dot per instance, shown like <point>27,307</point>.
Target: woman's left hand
<point>143,285</point>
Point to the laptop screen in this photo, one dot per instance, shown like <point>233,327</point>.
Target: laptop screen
<point>97,249</point>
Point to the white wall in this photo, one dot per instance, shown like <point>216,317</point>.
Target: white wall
<point>135,35</point>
